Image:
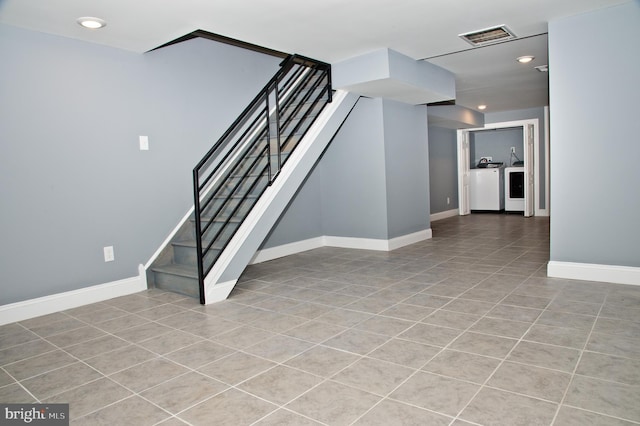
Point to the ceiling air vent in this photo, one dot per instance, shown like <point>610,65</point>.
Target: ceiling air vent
<point>487,36</point>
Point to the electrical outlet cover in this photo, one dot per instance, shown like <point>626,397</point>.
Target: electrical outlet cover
<point>108,254</point>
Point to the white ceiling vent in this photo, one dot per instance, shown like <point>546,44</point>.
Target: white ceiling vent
<point>487,36</point>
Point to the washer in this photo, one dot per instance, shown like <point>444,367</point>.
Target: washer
<point>486,189</point>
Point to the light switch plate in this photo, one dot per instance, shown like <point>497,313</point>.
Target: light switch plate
<point>108,254</point>
<point>144,143</point>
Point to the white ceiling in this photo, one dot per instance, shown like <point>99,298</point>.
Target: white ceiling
<point>334,30</point>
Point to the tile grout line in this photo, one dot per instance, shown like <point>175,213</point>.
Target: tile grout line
<point>503,360</point>
<point>463,331</point>
<point>575,368</point>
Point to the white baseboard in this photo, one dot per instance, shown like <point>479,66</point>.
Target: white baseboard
<point>342,242</point>
<point>405,240</point>
<point>593,272</point>
<point>271,253</point>
<point>356,243</point>
<point>542,212</point>
<point>443,215</point>
<point>32,308</point>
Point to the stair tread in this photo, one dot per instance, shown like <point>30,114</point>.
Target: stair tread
<point>177,269</point>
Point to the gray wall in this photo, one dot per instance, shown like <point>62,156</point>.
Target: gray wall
<point>406,148</point>
<point>302,219</point>
<point>527,114</point>
<point>72,179</point>
<point>496,144</point>
<point>372,181</point>
<point>594,95</point>
<point>353,176</point>
<point>443,169</point>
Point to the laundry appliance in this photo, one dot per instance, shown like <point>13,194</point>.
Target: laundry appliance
<point>486,189</point>
<point>514,189</point>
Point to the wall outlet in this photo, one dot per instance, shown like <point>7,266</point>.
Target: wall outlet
<point>513,149</point>
<point>448,200</point>
<point>144,143</point>
<point>108,254</point>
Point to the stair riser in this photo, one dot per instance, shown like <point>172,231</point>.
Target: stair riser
<point>313,112</point>
<point>244,187</point>
<point>248,166</point>
<point>185,255</point>
<point>178,284</point>
<point>227,209</point>
<point>213,230</point>
<point>285,140</point>
<point>320,92</point>
<point>287,124</point>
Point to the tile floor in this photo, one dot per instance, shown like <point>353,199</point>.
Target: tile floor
<point>462,329</point>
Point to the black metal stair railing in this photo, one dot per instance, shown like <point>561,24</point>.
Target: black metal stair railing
<point>235,172</point>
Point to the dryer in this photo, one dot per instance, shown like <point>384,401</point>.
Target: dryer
<point>514,189</point>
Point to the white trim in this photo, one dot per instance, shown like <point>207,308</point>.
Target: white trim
<point>357,243</point>
<point>547,164</point>
<point>444,215</point>
<point>342,242</point>
<point>219,292</point>
<point>462,157</point>
<point>32,308</point>
<point>593,272</point>
<point>408,239</point>
<point>377,244</point>
<point>536,167</point>
<point>271,253</point>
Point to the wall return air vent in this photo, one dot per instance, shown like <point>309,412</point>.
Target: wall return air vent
<point>487,36</point>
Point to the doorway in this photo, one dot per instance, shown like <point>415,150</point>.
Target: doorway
<point>530,149</point>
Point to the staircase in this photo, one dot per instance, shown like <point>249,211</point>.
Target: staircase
<point>235,174</point>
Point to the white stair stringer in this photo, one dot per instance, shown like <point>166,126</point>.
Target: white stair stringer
<point>257,225</point>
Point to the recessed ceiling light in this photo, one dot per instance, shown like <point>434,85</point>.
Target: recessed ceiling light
<point>482,107</point>
<point>525,59</point>
<point>91,22</point>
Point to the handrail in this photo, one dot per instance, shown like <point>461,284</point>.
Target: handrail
<point>240,166</point>
<point>284,67</point>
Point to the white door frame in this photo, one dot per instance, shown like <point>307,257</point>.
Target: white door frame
<point>531,195</point>
<point>464,133</point>
<point>464,174</point>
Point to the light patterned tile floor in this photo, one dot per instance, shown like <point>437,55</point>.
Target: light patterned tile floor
<point>462,329</point>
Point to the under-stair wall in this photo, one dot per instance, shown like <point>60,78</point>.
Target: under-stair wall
<point>259,222</point>
<point>370,190</point>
